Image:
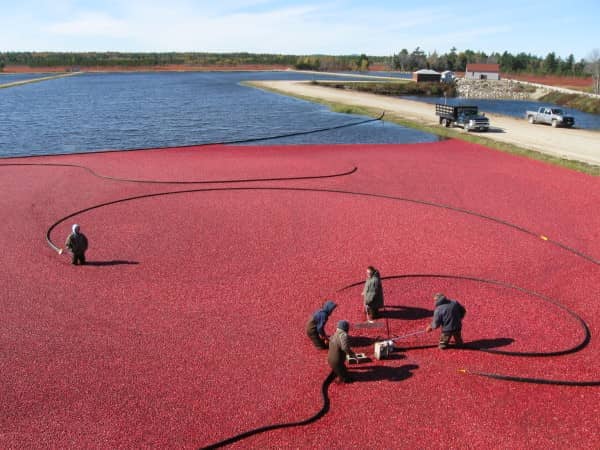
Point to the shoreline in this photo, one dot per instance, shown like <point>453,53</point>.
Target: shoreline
<point>165,68</point>
<point>578,145</point>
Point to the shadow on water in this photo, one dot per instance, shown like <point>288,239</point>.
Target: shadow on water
<point>405,312</point>
<point>114,262</point>
<point>380,373</point>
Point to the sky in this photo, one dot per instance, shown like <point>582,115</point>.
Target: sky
<point>334,27</point>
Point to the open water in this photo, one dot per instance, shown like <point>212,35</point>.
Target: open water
<point>6,78</point>
<point>113,111</point>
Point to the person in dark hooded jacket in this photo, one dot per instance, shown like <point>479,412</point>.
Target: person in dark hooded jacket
<point>315,327</point>
<point>373,293</point>
<point>448,314</point>
<point>77,243</point>
<point>338,349</point>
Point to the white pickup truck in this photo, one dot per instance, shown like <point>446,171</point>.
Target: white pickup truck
<point>552,116</point>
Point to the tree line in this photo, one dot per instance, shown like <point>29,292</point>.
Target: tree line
<point>118,59</point>
<point>509,63</point>
<point>105,59</point>
<point>403,61</point>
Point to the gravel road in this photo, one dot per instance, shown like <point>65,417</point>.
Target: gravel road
<point>573,144</point>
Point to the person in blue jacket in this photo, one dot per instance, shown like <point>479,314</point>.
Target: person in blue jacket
<point>315,327</point>
<point>449,315</point>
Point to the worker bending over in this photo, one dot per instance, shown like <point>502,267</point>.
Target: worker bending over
<point>448,314</point>
<point>315,327</point>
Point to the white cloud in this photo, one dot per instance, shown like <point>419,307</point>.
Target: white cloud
<point>290,26</point>
<point>90,24</point>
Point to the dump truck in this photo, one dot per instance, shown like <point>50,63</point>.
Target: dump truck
<point>552,116</point>
<point>467,117</point>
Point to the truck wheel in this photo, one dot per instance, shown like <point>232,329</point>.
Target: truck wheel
<point>531,120</point>
<point>554,123</point>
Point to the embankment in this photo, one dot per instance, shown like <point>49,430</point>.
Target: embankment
<point>35,80</point>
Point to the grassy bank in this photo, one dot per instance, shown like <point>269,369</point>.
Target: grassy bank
<point>394,88</point>
<point>448,133</point>
<point>575,101</point>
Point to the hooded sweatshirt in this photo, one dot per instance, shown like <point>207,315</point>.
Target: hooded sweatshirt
<point>319,318</point>
<point>76,241</point>
<point>449,314</point>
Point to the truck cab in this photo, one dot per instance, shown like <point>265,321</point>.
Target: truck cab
<point>467,117</point>
<point>550,115</point>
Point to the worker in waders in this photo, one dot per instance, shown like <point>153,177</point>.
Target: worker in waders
<point>373,293</point>
<point>77,243</point>
<point>315,327</point>
<point>449,315</point>
<point>338,349</point>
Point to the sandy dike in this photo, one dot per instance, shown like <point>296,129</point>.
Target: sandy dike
<point>574,144</point>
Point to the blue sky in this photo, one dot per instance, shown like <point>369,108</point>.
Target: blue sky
<point>302,27</point>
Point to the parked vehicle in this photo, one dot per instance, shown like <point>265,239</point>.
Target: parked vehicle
<point>553,116</point>
<point>448,76</point>
<point>467,117</point>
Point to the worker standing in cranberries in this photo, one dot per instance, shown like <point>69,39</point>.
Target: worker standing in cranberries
<point>449,315</point>
<point>338,349</point>
<point>315,327</point>
<point>77,243</point>
<point>372,293</point>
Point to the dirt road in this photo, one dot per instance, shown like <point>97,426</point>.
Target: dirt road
<point>574,144</point>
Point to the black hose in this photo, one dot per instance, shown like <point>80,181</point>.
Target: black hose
<point>534,380</point>
<point>296,133</point>
<point>585,341</point>
<point>132,180</point>
<point>332,191</point>
<point>579,346</point>
<point>235,141</point>
<point>324,409</point>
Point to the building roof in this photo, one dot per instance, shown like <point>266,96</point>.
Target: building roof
<point>428,72</point>
<point>483,68</point>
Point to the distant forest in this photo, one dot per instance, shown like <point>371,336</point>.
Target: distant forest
<point>402,61</point>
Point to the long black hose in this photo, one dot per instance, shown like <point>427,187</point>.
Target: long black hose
<point>582,323</point>
<point>230,142</point>
<point>498,376</point>
<point>332,191</point>
<point>134,180</point>
<point>329,379</point>
<point>324,409</point>
<point>573,349</point>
